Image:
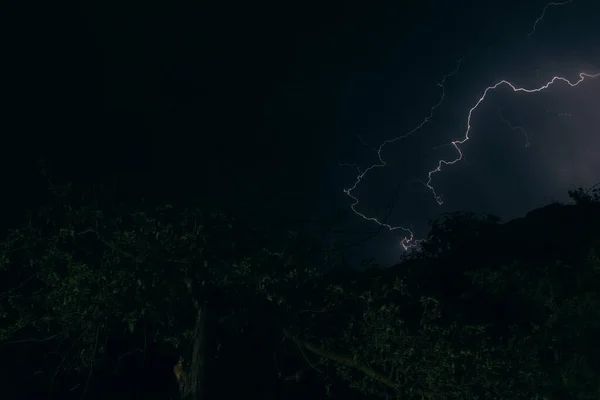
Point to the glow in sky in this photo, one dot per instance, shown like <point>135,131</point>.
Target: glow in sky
<point>409,240</point>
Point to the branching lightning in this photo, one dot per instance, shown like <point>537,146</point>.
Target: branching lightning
<point>515,127</point>
<point>457,143</point>
<point>409,240</point>
<point>541,17</point>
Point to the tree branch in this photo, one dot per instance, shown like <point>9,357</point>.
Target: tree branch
<point>107,243</point>
<point>35,340</point>
<point>301,348</point>
<point>19,286</point>
<point>65,356</point>
<point>346,360</point>
<point>592,187</point>
<point>92,359</point>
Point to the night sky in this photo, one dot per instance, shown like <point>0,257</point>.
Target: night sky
<point>254,105</point>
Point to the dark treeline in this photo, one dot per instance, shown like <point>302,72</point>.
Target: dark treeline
<point>107,297</point>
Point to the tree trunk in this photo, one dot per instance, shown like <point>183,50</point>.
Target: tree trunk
<point>192,379</point>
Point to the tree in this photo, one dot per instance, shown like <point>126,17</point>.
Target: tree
<point>88,268</point>
<point>586,197</point>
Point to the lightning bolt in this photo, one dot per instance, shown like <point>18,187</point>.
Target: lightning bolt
<point>541,17</point>
<point>515,127</point>
<point>361,140</point>
<point>409,240</point>
<point>457,143</point>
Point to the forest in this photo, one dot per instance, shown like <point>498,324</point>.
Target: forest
<point>102,297</point>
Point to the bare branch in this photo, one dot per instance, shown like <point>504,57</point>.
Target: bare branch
<point>35,340</point>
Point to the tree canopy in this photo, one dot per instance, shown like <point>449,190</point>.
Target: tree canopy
<point>483,310</point>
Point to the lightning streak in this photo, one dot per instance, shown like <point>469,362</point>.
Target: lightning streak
<point>407,241</point>
<point>361,140</point>
<point>541,17</point>
<point>515,128</point>
<point>457,143</point>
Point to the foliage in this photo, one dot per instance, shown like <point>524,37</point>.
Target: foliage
<point>522,329</point>
<point>586,197</point>
<point>466,317</point>
<point>88,269</point>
